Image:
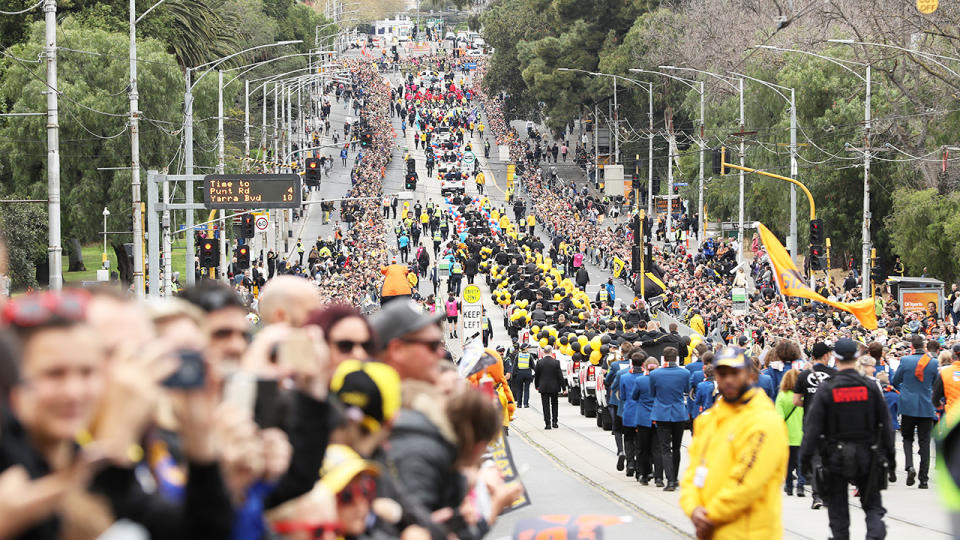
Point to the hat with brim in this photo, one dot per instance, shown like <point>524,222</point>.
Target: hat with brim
<point>731,357</point>
<point>400,318</point>
<point>341,464</point>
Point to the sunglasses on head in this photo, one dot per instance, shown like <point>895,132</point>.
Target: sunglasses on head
<point>40,308</point>
<point>362,487</point>
<point>346,346</point>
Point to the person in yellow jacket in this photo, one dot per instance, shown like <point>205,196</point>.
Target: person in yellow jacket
<point>531,223</point>
<point>738,459</point>
<point>504,223</point>
<point>481,180</point>
<point>697,324</point>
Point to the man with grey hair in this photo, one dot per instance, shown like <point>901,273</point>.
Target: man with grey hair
<point>547,378</point>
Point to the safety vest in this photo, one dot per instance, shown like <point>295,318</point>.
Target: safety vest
<point>523,360</point>
<point>485,324</point>
<point>603,295</point>
<point>436,236</point>
<point>951,385</point>
<point>456,269</point>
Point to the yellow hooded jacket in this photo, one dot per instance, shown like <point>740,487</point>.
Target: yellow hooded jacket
<point>744,448</point>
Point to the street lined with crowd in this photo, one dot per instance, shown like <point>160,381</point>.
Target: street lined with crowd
<point>185,418</point>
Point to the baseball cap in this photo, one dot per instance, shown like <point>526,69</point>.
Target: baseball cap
<point>369,391</point>
<point>845,348</point>
<point>733,357</point>
<point>819,349</point>
<point>399,318</point>
<point>341,464</point>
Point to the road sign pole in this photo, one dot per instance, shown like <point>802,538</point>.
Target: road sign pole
<point>153,240</point>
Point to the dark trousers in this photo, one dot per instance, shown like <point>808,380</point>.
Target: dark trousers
<point>671,435</point>
<point>834,493</point>
<point>550,407</point>
<point>630,446</point>
<point>922,426</point>
<point>793,465</point>
<point>648,452</point>
<point>617,428</point>
<point>523,385</point>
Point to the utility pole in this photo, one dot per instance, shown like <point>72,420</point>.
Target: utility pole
<point>54,248</point>
<point>650,154</point>
<point>668,119</point>
<point>246,124</point>
<point>703,150</point>
<point>740,219</point>
<point>188,168</point>
<point>138,281</point>
<point>616,125</point>
<point>222,271</point>
<point>865,267</point>
<point>794,248</point>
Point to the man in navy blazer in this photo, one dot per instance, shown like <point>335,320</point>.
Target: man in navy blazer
<point>629,409</point>
<point>669,385</point>
<point>914,378</point>
<point>649,463</point>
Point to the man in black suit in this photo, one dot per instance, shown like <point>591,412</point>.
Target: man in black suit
<point>547,379</point>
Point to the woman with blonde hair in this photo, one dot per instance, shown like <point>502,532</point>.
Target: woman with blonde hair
<point>793,416</point>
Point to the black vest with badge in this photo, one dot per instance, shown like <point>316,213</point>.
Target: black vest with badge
<point>850,424</point>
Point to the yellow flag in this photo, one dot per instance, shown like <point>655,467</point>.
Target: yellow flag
<point>792,282</point>
<point>618,266</point>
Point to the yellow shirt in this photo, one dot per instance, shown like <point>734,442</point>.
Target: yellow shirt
<point>480,178</point>
<point>531,221</point>
<point>741,451</point>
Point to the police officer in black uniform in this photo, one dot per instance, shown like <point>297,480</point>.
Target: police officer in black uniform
<point>849,425</point>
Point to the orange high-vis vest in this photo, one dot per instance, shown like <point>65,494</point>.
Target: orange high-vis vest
<point>951,385</point>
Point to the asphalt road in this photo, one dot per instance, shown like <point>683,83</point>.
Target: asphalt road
<point>571,470</point>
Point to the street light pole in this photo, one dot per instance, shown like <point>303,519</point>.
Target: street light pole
<point>138,275</point>
<point>222,271</point>
<point>742,151</point>
<point>649,153</point>
<point>616,125</point>
<point>865,241</point>
<point>54,249</point>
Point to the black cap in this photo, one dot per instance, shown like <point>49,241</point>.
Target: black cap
<point>400,318</point>
<point>819,349</point>
<point>846,349</point>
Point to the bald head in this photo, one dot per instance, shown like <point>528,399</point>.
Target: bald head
<point>288,299</point>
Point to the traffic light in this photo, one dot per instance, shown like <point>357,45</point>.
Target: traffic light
<point>656,185</point>
<point>636,256</point>
<point>366,139</point>
<point>410,181</point>
<point>719,156</point>
<point>312,174</point>
<point>817,257</point>
<point>876,272</point>
<point>411,166</point>
<point>676,189</point>
<point>243,257</point>
<point>816,231</point>
<point>209,254</point>
<point>248,227</point>
<point>637,229</point>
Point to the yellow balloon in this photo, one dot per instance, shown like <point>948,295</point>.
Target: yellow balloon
<point>595,357</point>
<point>595,343</point>
<point>543,342</point>
<point>535,329</point>
<point>582,340</point>
<point>557,296</point>
<point>582,317</point>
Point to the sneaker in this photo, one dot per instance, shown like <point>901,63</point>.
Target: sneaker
<point>671,486</point>
<point>621,461</point>
<point>923,485</point>
<point>658,483</point>
<point>643,479</point>
<point>911,476</point>
<point>816,504</point>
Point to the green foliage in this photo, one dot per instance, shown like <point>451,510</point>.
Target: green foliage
<point>24,230</point>
<point>925,231</point>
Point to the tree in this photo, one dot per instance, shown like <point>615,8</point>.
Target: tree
<point>23,228</point>
<point>924,230</point>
